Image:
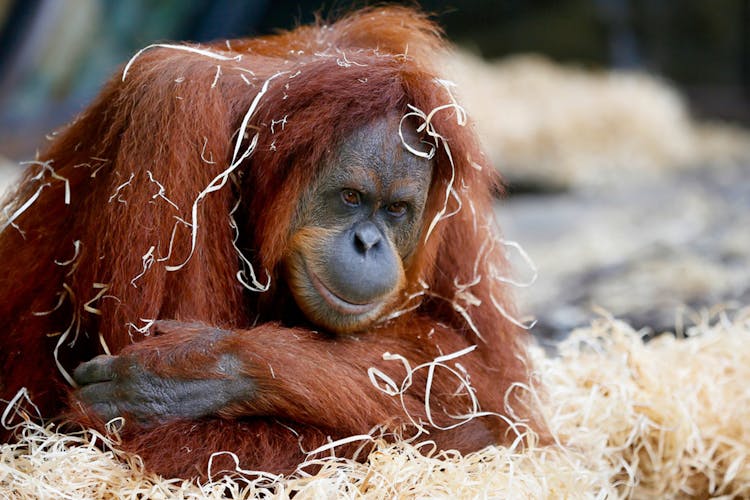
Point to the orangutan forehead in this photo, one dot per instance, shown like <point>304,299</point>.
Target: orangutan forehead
<point>376,153</point>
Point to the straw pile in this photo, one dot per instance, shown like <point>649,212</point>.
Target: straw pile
<point>566,126</point>
<point>670,418</point>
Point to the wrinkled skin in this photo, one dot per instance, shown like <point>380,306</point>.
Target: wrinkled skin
<point>122,385</point>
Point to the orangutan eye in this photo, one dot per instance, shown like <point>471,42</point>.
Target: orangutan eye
<point>397,208</point>
<point>350,197</point>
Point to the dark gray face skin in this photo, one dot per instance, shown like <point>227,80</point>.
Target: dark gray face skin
<point>366,212</point>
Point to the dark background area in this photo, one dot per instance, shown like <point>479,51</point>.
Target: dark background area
<point>55,54</point>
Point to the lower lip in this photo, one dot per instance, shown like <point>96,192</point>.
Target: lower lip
<point>336,302</point>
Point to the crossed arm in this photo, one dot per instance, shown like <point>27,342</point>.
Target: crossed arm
<point>189,371</point>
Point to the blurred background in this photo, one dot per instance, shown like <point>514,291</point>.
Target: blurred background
<point>619,125</point>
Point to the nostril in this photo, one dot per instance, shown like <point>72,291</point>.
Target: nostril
<point>366,236</point>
